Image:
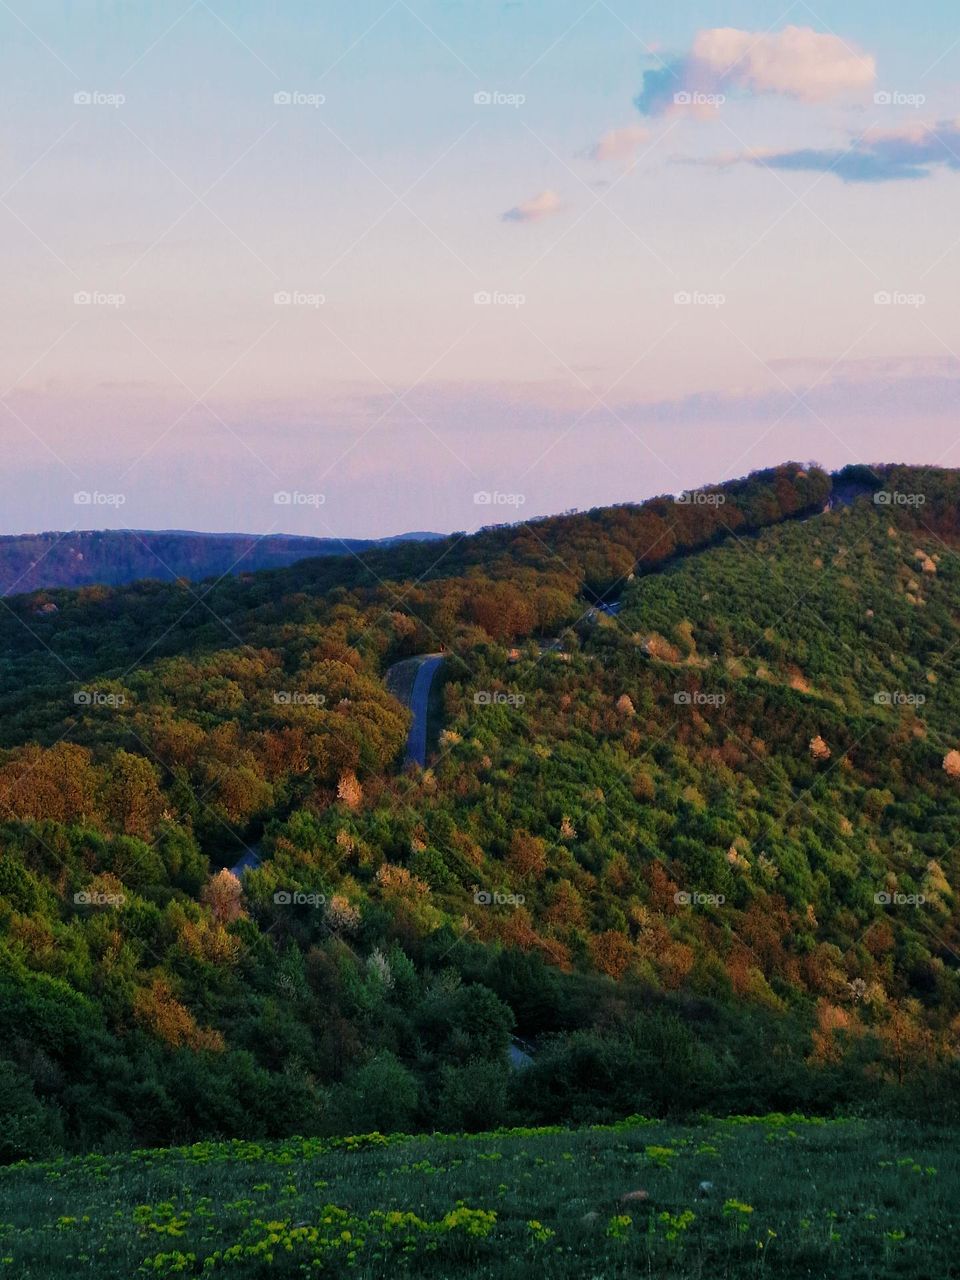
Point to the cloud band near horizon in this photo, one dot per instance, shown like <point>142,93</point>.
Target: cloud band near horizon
<point>894,155</point>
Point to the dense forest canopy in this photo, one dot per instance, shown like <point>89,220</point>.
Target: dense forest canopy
<point>716,830</point>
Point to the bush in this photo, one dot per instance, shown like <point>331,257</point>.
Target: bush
<point>474,1097</point>
<point>382,1097</point>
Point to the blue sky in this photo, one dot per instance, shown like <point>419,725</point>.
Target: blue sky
<point>818,174</point>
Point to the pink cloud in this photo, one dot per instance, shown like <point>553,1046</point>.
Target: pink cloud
<point>796,62</point>
<point>545,205</point>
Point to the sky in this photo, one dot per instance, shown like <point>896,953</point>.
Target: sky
<point>355,269</point>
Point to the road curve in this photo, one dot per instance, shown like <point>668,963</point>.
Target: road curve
<point>252,857</point>
<point>419,699</point>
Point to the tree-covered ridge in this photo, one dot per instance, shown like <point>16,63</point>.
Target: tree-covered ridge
<point>31,562</point>
<point>504,582</point>
<point>688,834</point>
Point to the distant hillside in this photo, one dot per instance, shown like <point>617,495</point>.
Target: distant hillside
<point>112,557</point>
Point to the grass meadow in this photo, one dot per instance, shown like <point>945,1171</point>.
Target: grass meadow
<point>780,1195</point>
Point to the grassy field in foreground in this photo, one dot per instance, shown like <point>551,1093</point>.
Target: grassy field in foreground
<point>782,1195</point>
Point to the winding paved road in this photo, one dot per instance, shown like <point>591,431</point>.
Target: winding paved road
<point>252,857</point>
<point>419,700</point>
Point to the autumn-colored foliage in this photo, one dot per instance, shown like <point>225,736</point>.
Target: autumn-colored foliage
<point>223,894</point>
<point>156,1007</point>
<point>611,952</point>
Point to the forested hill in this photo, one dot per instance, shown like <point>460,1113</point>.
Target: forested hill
<point>592,552</point>
<point>701,854</point>
<point>114,557</point>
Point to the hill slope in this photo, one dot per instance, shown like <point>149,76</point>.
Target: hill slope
<point>686,852</point>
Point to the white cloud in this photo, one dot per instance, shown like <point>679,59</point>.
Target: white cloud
<point>545,205</point>
<point>797,62</point>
